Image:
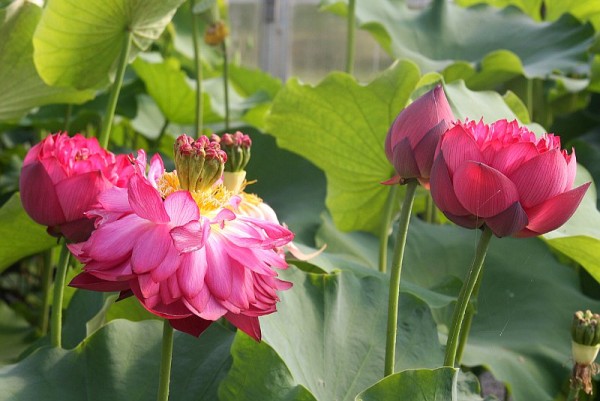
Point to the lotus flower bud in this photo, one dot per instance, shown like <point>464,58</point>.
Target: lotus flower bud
<point>237,146</point>
<point>199,163</point>
<point>216,33</point>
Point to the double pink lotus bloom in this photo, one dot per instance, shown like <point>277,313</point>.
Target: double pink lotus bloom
<point>503,176</point>
<point>499,175</point>
<point>190,255</point>
<point>61,179</point>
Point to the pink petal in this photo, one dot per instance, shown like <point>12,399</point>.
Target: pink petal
<point>507,159</point>
<point>191,272</point>
<point>38,196</point>
<point>115,199</point>
<point>181,208</point>
<point>150,248</point>
<point>55,169</point>
<point>213,310</point>
<point>248,325</point>
<point>193,325</point>
<point>555,212</point>
<point>571,169</point>
<point>148,287</point>
<point>541,178</point>
<point>146,201</point>
<point>393,181</point>
<point>219,275</point>
<point>157,169</point>
<point>190,237</point>
<point>87,281</point>
<point>482,190</point>
<point>509,221</point>
<point>168,266</point>
<point>442,190</point>
<point>111,271</point>
<point>114,240</point>
<point>174,310</point>
<point>77,194</point>
<point>458,146</point>
<point>403,160</point>
<point>424,151</point>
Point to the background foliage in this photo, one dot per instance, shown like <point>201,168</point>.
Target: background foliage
<point>318,157</point>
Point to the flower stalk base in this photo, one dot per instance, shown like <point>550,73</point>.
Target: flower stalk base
<point>165,362</point>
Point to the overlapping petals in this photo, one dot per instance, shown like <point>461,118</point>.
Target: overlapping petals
<point>61,179</point>
<point>185,266</point>
<point>413,137</point>
<point>501,175</point>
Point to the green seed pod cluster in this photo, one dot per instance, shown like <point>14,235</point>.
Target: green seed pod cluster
<point>585,329</point>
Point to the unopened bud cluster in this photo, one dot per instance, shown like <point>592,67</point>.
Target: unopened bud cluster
<point>585,333</point>
<point>199,163</point>
<point>237,146</point>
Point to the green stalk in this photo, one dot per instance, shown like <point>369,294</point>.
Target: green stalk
<point>384,234</point>
<point>165,362</point>
<point>114,91</point>
<point>57,301</point>
<point>392,321</point>
<point>465,296</point>
<point>226,83</point>
<point>67,121</point>
<point>351,35</point>
<point>46,274</point>
<point>467,321</point>
<point>574,390</point>
<point>198,68</point>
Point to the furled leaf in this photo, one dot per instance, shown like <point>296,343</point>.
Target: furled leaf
<point>20,235</point>
<point>77,42</point>
<point>22,88</point>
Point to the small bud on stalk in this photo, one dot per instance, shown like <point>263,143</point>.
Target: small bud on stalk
<point>585,335</point>
<point>237,146</point>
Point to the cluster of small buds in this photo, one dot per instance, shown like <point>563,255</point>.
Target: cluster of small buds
<point>585,329</point>
<point>199,163</point>
<point>585,335</point>
<point>237,146</point>
<point>216,33</point>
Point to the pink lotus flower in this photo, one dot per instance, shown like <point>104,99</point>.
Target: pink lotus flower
<point>188,255</point>
<point>413,137</point>
<point>501,175</point>
<point>61,180</point>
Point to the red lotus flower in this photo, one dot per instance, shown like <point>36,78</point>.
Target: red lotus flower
<point>61,180</point>
<point>413,137</point>
<point>501,175</point>
<point>188,255</point>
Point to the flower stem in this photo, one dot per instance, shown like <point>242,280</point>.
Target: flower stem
<point>386,223</point>
<point>165,362</point>
<point>226,83</point>
<point>574,390</point>
<point>392,321</point>
<point>46,273</point>
<point>198,68</point>
<point>465,296</point>
<point>468,319</point>
<point>57,301</point>
<point>351,34</point>
<point>114,91</point>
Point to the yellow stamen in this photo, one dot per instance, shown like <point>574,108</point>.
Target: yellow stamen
<point>208,201</point>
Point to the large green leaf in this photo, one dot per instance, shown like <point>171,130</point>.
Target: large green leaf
<point>172,90</point>
<point>77,42</point>
<point>579,238</point>
<point>416,385</point>
<point>329,336</point>
<point>22,88</point>
<point>340,126</point>
<point>20,235</point>
<point>121,362</point>
<point>15,334</point>
<point>438,35</point>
